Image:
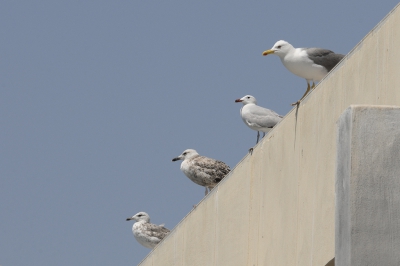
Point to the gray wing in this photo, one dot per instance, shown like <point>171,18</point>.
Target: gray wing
<point>157,231</point>
<point>216,170</point>
<point>262,117</point>
<point>324,57</point>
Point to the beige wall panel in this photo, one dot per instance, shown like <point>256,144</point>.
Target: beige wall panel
<point>350,85</point>
<point>324,191</point>
<point>148,261</point>
<point>382,66</point>
<point>277,207</point>
<point>278,229</point>
<point>393,61</point>
<point>233,217</point>
<point>179,245</point>
<point>200,228</point>
<point>307,135</point>
<point>165,257</point>
<point>367,73</point>
<point>257,172</point>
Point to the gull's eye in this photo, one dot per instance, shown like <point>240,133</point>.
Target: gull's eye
<point>140,215</point>
<point>279,46</point>
<point>184,153</point>
<point>248,97</point>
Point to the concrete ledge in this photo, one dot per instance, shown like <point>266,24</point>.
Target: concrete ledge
<point>277,207</point>
<point>367,229</point>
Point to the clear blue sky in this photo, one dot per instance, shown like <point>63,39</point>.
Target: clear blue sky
<point>97,97</point>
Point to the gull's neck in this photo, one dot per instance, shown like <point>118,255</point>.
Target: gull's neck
<point>290,53</point>
<point>143,221</point>
<point>193,156</point>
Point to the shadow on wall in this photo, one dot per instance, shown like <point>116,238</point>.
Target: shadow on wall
<point>331,262</point>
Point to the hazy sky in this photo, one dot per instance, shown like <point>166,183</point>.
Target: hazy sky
<point>97,97</point>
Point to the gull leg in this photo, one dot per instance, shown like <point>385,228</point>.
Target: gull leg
<point>313,85</point>
<point>258,137</point>
<point>206,191</point>
<point>263,134</point>
<point>307,91</point>
<point>251,151</point>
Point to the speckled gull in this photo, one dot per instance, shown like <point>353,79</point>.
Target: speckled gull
<point>256,117</point>
<point>146,233</point>
<point>202,170</point>
<point>310,63</point>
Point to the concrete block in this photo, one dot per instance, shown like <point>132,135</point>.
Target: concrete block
<point>367,229</point>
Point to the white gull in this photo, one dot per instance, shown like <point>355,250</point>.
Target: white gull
<point>310,63</point>
<point>146,233</point>
<point>256,117</point>
<point>202,170</point>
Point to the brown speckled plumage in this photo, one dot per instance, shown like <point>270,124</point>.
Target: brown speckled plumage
<point>202,170</point>
<point>146,233</point>
<point>154,230</point>
<point>205,171</point>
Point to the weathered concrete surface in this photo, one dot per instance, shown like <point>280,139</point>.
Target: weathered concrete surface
<point>368,187</point>
<point>278,205</point>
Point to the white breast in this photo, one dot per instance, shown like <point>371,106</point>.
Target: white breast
<point>299,64</point>
<point>144,239</point>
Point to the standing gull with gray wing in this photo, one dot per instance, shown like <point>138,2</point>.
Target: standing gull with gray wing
<point>256,117</point>
<point>202,170</point>
<point>313,64</point>
<point>146,233</point>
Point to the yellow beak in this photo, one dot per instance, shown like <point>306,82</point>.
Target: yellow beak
<point>267,52</point>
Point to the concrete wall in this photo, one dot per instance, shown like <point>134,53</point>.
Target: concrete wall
<point>278,206</point>
<point>368,187</point>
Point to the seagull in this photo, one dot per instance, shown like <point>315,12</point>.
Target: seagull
<point>310,63</point>
<point>202,170</point>
<point>256,117</point>
<point>146,233</point>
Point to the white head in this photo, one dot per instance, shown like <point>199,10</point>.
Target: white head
<point>280,48</point>
<point>187,154</point>
<point>246,100</point>
<point>140,216</point>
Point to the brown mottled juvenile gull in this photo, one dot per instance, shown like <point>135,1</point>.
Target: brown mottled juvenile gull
<point>202,170</point>
<point>256,117</point>
<point>310,63</point>
<point>146,233</point>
